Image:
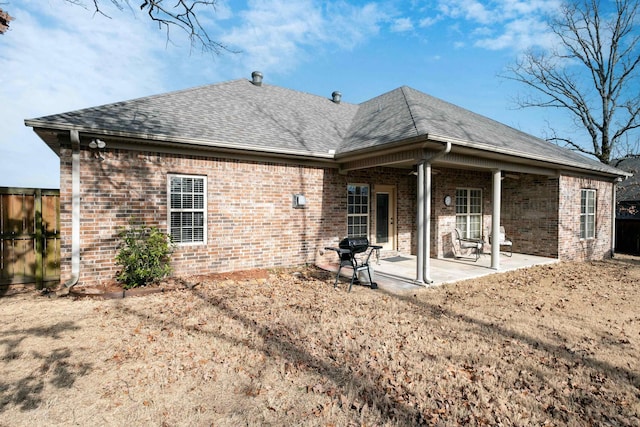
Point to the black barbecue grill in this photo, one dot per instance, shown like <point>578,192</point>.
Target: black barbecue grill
<point>347,250</point>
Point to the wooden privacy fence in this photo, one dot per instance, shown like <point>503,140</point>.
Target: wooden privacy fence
<point>29,236</point>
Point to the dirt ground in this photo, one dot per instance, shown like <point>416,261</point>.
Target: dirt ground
<point>550,345</point>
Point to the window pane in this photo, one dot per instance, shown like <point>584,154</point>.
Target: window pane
<point>461,201</point>
<point>475,201</point>
<point>469,212</point>
<point>176,185</point>
<point>357,210</point>
<point>198,186</point>
<point>187,209</point>
<point>175,219</point>
<point>198,201</point>
<point>587,214</point>
<point>175,201</point>
<point>198,219</point>
<point>187,201</point>
<point>475,227</point>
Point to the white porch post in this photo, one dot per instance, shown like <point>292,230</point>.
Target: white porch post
<point>427,224</point>
<point>420,226</point>
<point>495,219</point>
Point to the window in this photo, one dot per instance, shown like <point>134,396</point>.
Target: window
<point>588,214</point>
<point>469,212</point>
<point>357,210</point>
<point>187,208</point>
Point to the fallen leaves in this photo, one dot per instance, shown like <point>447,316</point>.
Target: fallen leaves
<point>288,349</point>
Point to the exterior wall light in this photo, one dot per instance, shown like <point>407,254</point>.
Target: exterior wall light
<point>96,145</point>
<point>299,201</point>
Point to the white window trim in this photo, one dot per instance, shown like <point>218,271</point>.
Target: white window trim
<point>367,215</point>
<point>468,215</point>
<point>204,210</point>
<point>591,233</point>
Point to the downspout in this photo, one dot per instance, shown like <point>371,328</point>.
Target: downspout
<point>614,196</point>
<point>75,210</point>
<point>423,275</point>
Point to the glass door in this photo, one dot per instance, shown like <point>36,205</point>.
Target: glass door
<point>385,217</point>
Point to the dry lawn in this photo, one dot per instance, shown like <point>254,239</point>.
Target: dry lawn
<point>551,345</point>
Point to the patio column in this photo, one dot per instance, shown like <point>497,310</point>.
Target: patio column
<point>420,225</point>
<point>495,219</point>
<point>427,224</point>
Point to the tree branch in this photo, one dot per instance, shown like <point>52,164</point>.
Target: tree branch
<point>591,73</point>
<point>182,14</point>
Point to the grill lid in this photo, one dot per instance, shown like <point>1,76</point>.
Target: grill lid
<point>354,244</point>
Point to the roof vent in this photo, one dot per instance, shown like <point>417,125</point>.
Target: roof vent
<point>256,77</point>
<point>336,96</point>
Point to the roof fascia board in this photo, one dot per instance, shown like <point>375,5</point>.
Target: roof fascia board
<point>213,152</point>
<point>486,148</point>
<point>151,138</point>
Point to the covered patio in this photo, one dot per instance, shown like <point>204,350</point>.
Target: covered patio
<point>397,273</point>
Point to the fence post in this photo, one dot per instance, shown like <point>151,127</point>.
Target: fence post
<point>39,242</point>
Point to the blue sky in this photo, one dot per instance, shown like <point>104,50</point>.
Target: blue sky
<point>60,57</point>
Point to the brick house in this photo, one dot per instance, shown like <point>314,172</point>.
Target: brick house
<point>248,175</point>
<point>628,208</point>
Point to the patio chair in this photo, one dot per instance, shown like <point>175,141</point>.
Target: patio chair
<point>475,245</point>
<point>504,241</point>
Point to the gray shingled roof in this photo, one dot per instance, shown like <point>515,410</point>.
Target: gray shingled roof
<point>406,112</point>
<point>239,114</point>
<point>629,189</point>
<point>231,114</point>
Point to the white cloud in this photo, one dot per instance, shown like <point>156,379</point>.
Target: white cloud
<point>519,34</point>
<point>278,35</point>
<point>471,10</point>
<point>402,25</point>
<point>429,21</point>
<point>502,24</point>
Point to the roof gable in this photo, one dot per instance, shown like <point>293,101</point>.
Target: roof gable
<point>406,112</point>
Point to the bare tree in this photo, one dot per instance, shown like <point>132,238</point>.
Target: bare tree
<point>168,14</point>
<point>4,21</point>
<point>592,73</point>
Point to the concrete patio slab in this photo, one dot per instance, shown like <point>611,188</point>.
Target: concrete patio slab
<point>397,273</point>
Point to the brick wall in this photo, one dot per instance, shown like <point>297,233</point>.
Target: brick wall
<point>571,247</point>
<point>251,222</point>
<point>529,210</point>
<point>250,219</point>
<point>529,213</point>
<point>445,181</point>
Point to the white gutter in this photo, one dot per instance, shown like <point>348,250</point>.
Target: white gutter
<point>423,265</point>
<point>149,138</point>
<point>75,209</point>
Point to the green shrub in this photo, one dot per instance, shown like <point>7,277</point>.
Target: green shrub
<point>144,256</point>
